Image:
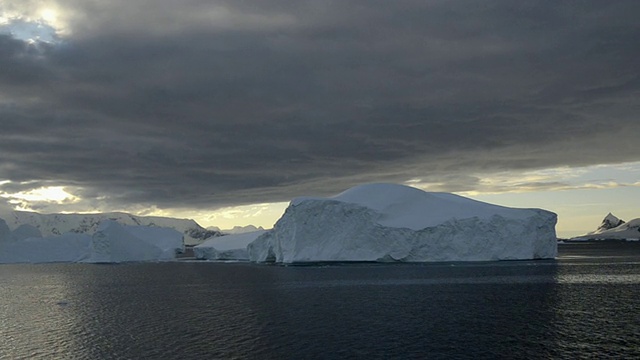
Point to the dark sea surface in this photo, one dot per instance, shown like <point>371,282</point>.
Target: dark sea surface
<point>585,304</point>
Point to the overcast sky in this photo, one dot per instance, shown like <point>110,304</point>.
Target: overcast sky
<point>192,104</point>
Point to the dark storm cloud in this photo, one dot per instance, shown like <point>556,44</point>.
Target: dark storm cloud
<point>199,103</point>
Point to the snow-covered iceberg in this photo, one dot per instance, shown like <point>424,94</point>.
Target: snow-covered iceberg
<point>114,242</point>
<point>68,247</point>
<point>111,243</point>
<point>613,228</point>
<point>389,222</point>
<point>228,247</point>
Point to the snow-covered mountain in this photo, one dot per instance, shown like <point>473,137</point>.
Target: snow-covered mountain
<point>236,229</point>
<point>613,228</point>
<point>57,224</point>
<point>242,229</point>
<point>609,222</point>
<point>388,222</point>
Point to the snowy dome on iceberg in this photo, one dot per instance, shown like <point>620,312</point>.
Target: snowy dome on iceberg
<point>389,222</point>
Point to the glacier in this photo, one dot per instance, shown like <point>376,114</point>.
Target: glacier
<point>111,243</point>
<point>228,247</point>
<point>390,222</point>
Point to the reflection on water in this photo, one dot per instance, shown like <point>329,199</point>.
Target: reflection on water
<point>576,306</point>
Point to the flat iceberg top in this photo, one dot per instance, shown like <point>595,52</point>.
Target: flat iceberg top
<point>407,207</point>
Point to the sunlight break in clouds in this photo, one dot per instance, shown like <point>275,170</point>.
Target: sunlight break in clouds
<point>28,200</point>
<point>33,21</point>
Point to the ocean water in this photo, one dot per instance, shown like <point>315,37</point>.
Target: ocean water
<point>586,304</point>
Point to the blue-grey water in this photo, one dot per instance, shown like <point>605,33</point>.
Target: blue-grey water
<point>586,304</point>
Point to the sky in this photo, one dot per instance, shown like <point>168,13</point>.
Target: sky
<point>223,111</point>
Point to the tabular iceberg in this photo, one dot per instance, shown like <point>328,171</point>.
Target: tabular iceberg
<point>228,247</point>
<point>389,222</point>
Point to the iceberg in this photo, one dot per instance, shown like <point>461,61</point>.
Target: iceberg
<point>228,247</point>
<point>111,243</point>
<point>114,242</point>
<point>390,222</point>
<point>68,247</point>
<point>58,224</point>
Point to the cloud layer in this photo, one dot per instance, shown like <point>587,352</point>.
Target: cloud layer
<point>205,104</point>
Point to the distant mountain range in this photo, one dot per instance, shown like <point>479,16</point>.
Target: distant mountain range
<point>57,224</point>
<point>613,228</point>
<point>236,229</point>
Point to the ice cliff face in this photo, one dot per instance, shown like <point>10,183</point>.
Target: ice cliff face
<point>387,222</point>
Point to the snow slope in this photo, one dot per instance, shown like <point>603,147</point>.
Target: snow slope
<point>622,231</point>
<point>228,247</point>
<point>389,222</point>
<point>57,224</point>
